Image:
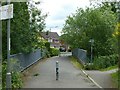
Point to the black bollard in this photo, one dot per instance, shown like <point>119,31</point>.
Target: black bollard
<point>57,70</point>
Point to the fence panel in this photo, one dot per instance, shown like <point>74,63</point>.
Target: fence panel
<point>80,54</point>
<point>25,60</point>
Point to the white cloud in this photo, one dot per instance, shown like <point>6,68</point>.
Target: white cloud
<point>58,11</point>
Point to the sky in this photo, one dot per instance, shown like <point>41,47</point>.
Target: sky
<point>58,10</point>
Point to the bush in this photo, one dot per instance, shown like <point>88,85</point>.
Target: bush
<point>16,80</point>
<point>105,61</point>
<point>102,62</point>
<point>54,52</point>
<point>47,54</point>
<point>47,45</point>
<point>16,77</point>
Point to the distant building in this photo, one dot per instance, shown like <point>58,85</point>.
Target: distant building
<point>53,38</point>
<point>64,45</point>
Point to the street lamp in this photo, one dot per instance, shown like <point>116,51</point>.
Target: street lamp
<point>92,42</point>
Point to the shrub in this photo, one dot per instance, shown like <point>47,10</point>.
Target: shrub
<point>16,80</point>
<point>102,62</point>
<point>105,61</point>
<point>54,52</point>
<point>16,77</point>
<point>47,45</point>
<point>47,53</point>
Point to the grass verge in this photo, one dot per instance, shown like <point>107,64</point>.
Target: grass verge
<point>109,68</point>
<point>75,62</point>
<point>115,78</point>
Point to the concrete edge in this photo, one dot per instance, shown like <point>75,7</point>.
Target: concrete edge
<point>89,76</point>
<point>92,79</point>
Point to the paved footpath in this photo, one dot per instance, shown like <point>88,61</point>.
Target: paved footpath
<point>70,77</point>
<point>103,78</point>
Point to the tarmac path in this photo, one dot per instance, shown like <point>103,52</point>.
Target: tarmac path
<point>69,76</point>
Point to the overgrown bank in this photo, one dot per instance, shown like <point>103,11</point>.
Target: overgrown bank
<point>76,63</point>
<point>79,65</point>
<point>103,62</point>
<point>115,79</point>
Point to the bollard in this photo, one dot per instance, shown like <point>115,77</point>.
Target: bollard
<point>57,70</point>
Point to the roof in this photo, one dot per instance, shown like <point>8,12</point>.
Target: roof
<point>50,35</point>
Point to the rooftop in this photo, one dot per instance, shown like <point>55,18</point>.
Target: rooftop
<point>50,35</point>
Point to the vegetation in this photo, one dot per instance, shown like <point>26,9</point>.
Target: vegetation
<point>26,26</point>
<point>104,62</point>
<point>47,45</point>
<point>115,78</point>
<point>16,77</point>
<point>37,25</point>
<point>110,68</point>
<point>54,52</point>
<point>96,23</point>
<point>76,63</point>
<point>51,51</point>
<point>16,80</point>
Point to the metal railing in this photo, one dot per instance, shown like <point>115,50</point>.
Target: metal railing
<point>22,61</point>
<point>80,54</point>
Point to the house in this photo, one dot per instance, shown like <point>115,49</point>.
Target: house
<point>53,38</point>
<point>64,45</point>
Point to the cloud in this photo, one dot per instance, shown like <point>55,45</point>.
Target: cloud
<point>52,24</point>
<point>58,10</point>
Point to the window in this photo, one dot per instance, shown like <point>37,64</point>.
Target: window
<point>50,40</point>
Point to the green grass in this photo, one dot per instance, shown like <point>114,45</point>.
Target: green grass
<point>0,86</point>
<point>109,68</point>
<point>75,62</point>
<point>115,78</point>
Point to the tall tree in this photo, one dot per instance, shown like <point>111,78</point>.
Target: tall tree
<point>19,29</point>
<point>37,24</point>
<point>26,25</point>
<point>97,23</point>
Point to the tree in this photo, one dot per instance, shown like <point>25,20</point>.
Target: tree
<point>37,24</point>
<point>97,23</point>
<point>111,5</point>
<point>24,35</point>
<point>26,26</point>
<point>19,30</point>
